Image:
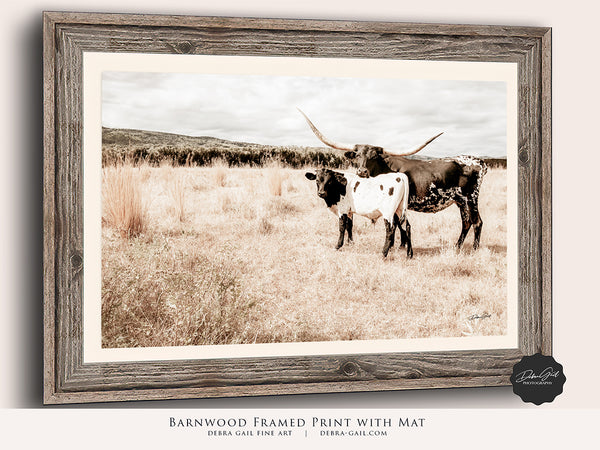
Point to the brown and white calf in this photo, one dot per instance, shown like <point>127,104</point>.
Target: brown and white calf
<point>384,196</point>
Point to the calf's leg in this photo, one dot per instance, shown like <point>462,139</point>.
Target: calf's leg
<point>395,224</point>
<point>389,233</point>
<point>349,224</point>
<point>342,226</point>
<point>402,232</point>
<point>409,250</point>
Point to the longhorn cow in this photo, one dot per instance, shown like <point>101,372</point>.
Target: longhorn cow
<point>433,185</point>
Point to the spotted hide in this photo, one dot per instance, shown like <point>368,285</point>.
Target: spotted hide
<point>386,196</point>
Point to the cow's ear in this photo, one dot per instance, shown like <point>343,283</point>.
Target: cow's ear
<point>350,155</point>
<point>310,175</point>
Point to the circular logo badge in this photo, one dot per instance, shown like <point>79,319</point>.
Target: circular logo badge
<point>538,379</point>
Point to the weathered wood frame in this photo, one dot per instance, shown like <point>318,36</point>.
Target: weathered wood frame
<point>67,35</point>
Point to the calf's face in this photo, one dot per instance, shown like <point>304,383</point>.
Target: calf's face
<point>330,185</point>
<point>326,180</point>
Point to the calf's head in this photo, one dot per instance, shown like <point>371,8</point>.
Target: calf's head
<point>331,185</point>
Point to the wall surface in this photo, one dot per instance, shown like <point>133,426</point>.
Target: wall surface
<point>575,157</point>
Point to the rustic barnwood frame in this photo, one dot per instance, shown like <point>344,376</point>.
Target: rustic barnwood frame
<point>67,35</point>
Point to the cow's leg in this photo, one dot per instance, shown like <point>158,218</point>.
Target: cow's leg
<point>389,233</point>
<point>465,216</point>
<point>342,225</point>
<point>476,221</point>
<point>349,224</point>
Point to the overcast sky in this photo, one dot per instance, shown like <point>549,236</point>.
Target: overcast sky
<point>391,113</point>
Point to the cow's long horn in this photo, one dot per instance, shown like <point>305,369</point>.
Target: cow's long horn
<point>413,151</point>
<point>323,139</point>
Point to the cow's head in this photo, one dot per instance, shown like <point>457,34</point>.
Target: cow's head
<point>369,158</point>
<point>331,185</point>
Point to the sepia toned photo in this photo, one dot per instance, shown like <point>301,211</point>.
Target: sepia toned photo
<point>266,209</point>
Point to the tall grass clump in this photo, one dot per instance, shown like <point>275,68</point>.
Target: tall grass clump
<point>123,205</point>
<point>275,177</point>
<point>176,189</point>
<point>219,172</point>
<point>145,170</point>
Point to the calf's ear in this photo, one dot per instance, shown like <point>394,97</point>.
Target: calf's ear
<point>341,179</point>
<point>310,175</point>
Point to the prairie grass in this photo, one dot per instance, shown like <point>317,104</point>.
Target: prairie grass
<point>122,203</point>
<point>219,172</point>
<point>248,266</point>
<point>145,172</point>
<point>155,294</point>
<point>275,176</point>
<point>279,206</point>
<point>176,189</point>
<point>265,226</point>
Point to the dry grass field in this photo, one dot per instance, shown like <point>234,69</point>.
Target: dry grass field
<point>221,255</point>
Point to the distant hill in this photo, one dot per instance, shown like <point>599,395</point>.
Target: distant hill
<point>119,144</point>
<point>154,147</point>
<point>126,137</point>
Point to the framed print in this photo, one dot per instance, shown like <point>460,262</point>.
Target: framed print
<point>237,207</point>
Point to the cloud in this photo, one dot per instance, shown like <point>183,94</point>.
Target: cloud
<point>262,109</point>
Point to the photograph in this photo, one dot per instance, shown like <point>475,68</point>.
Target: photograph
<point>246,206</point>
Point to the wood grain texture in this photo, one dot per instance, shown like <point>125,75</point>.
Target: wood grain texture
<point>191,22</point>
<point>67,35</point>
<point>546,200</point>
<point>48,211</point>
